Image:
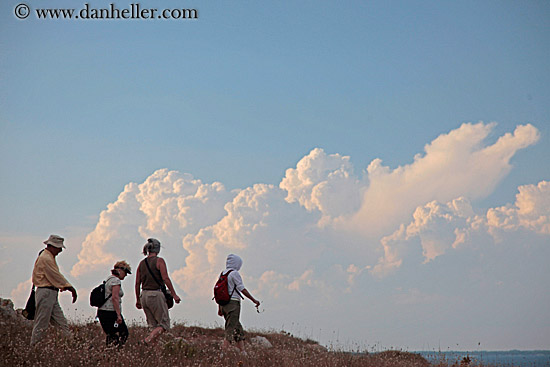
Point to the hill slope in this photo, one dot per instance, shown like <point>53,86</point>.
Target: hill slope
<point>182,346</point>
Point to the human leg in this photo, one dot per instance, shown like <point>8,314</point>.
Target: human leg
<point>123,332</point>
<point>45,299</point>
<point>152,338</point>
<point>233,329</point>
<point>107,320</point>
<point>156,311</point>
<point>58,318</point>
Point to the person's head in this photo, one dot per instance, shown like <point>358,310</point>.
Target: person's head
<point>151,247</point>
<point>233,262</point>
<point>121,269</point>
<point>54,244</point>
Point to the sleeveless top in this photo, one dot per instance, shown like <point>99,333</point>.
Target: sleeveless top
<point>146,279</point>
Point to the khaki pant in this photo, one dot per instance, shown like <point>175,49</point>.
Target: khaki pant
<point>233,328</point>
<point>48,311</point>
<point>156,309</point>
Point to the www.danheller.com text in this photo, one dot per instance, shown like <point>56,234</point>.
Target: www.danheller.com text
<point>133,11</point>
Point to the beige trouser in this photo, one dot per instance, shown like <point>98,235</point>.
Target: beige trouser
<point>156,310</point>
<point>47,311</point>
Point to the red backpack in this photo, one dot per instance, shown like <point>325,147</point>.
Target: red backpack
<point>221,289</point>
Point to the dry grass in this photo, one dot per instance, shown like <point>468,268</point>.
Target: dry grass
<point>183,346</point>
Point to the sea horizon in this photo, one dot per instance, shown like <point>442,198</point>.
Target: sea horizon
<point>501,358</point>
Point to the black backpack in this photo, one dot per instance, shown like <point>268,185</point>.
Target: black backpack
<point>97,297</point>
<point>30,307</point>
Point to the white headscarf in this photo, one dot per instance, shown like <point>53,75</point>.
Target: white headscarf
<point>234,262</point>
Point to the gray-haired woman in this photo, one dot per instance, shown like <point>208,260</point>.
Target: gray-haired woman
<point>150,272</point>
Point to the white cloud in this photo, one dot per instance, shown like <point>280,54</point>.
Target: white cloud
<point>173,203</point>
<point>319,205</point>
<point>272,283</point>
<point>454,164</point>
<point>264,229</point>
<point>117,224</point>
<point>21,293</point>
<point>306,279</point>
<point>324,182</point>
<point>167,205</point>
<point>440,227</point>
<point>531,210</point>
<point>319,235</point>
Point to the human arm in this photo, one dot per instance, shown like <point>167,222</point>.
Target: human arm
<point>46,273</point>
<point>72,290</point>
<point>115,295</point>
<point>138,290</point>
<point>249,296</point>
<point>51,275</point>
<point>237,281</point>
<point>161,266</point>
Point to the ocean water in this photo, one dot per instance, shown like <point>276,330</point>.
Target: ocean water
<point>512,358</point>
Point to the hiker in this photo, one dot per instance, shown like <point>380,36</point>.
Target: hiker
<point>48,281</point>
<point>151,278</point>
<point>231,311</point>
<point>110,314</point>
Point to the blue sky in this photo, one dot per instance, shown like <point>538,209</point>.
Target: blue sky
<point>246,92</point>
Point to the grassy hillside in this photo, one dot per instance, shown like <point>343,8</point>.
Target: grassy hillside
<point>182,346</point>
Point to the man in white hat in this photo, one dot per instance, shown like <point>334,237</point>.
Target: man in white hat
<point>48,281</point>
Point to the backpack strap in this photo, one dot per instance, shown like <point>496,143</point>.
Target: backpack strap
<point>153,275</point>
<point>40,253</point>
<point>106,299</point>
<point>234,287</point>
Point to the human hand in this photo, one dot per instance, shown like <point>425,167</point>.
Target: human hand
<point>138,305</point>
<point>119,319</point>
<point>257,303</point>
<point>73,291</point>
<point>177,299</point>
<point>220,312</point>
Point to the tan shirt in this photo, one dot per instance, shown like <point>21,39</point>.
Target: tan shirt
<point>46,272</point>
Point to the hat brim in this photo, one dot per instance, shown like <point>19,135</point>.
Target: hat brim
<point>54,244</point>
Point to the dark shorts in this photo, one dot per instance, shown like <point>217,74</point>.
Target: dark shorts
<point>233,328</point>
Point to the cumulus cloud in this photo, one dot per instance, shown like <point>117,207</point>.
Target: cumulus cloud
<point>440,227</point>
<point>453,165</point>
<point>327,236</point>
<point>260,225</point>
<point>531,211</point>
<point>320,227</point>
<point>118,223</point>
<point>173,203</point>
<point>434,224</point>
<point>167,205</point>
<point>20,294</point>
<point>326,183</point>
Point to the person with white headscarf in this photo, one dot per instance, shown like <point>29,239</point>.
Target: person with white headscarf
<point>231,312</point>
